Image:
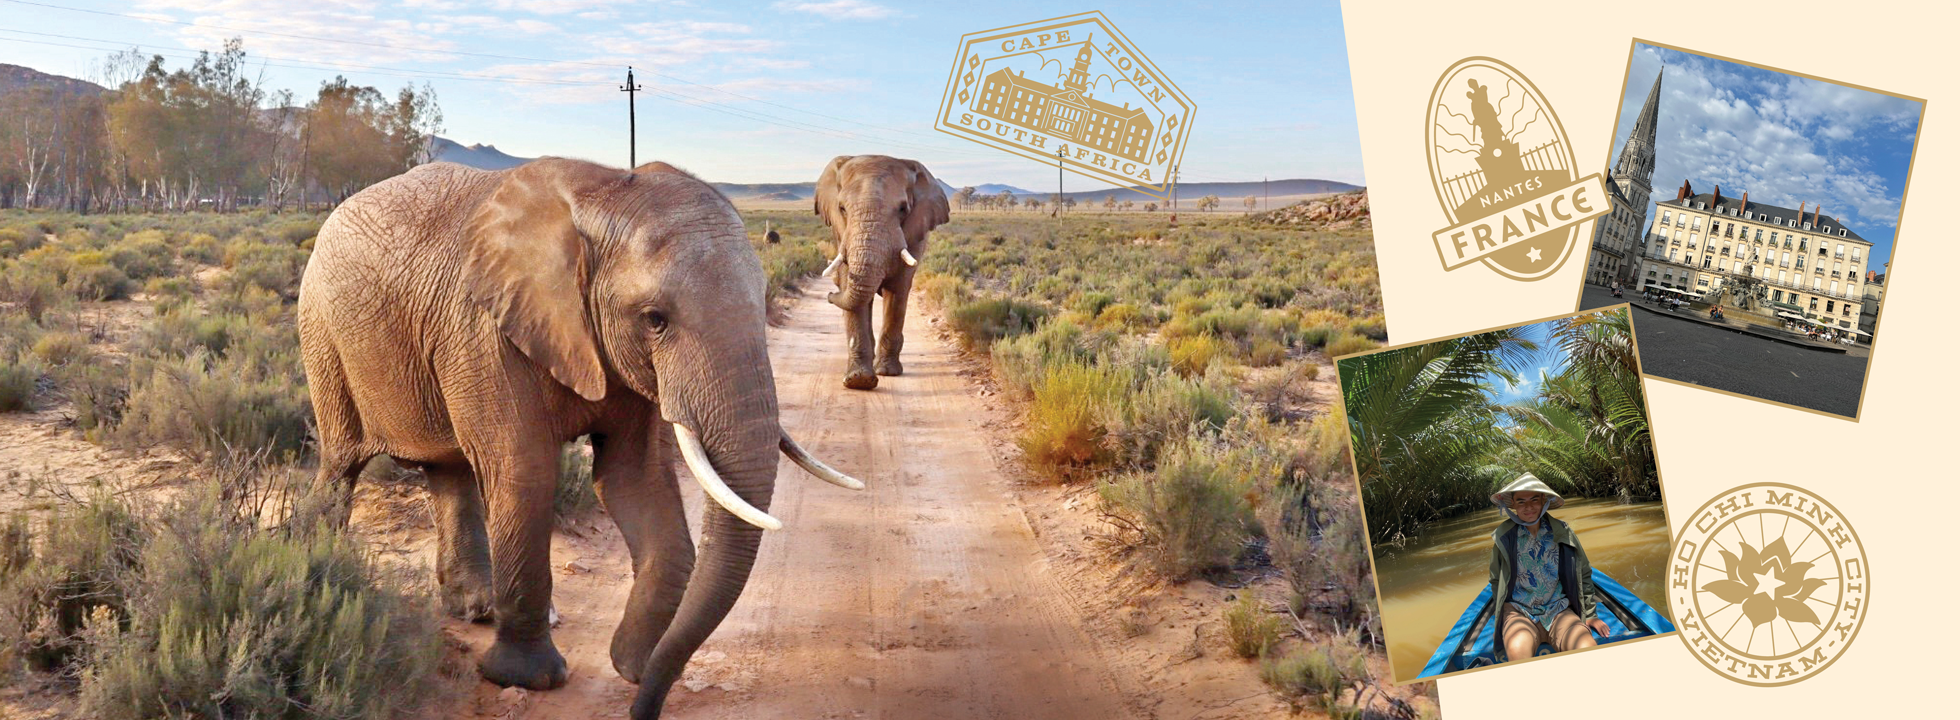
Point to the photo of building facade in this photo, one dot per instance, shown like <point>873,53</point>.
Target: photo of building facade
<point>1067,112</point>
<point>1797,263</point>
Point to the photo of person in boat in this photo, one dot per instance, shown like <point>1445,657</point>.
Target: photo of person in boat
<point>1483,461</point>
<point>1538,565</point>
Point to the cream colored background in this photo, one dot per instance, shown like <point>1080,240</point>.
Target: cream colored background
<point>1897,488</point>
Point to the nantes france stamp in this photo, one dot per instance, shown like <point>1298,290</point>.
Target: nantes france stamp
<point>1504,173</point>
<point>1768,584</point>
<point>1072,89</point>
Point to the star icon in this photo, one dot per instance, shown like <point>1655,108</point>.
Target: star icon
<point>1768,583</point>
<point>1534,254</point>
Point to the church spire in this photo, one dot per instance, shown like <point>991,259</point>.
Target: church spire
<point>1078,77</point>
<point>1637,158</point>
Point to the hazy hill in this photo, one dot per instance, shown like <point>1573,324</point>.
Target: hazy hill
<point>14,78</point>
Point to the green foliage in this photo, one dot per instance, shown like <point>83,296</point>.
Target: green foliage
<point>19,376</point>
<point>1587,427</point>
<point>982,322</point>
<point>276,268</point>
<point>1192,355</point>
<point>1319,673</point>
<point>1191,512</point>
<point>237,599</point>
<point>1347,343</point>
<point>202,405</point>
<point>1249,629</point>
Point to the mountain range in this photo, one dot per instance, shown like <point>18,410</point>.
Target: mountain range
<point>14,78</point>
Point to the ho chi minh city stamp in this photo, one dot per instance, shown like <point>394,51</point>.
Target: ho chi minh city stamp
<point>1504,173</point>
<point>1071,90</point>
<point>1768,584</point>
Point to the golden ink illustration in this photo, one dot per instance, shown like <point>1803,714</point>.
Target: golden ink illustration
<point>1504,175</point>
<point>1107,114</point>
<point>1782,595</point>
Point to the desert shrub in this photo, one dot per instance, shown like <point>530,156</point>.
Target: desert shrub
<point>33,288</point>
<point>575,493</point>
<point>202,405</point>
<point>271,267</point>
<point>18,378</point>
<point>1315,533</point>
<point>1273,393</point>
<point>982,322</point>
<point>142,255</point>
<point>1347,343</point>
<point>786,264</point>
<point>1249,629</point>
<point>945,291</point>
<point>167,294</point>
<point>1374,327</point>
<point>1319,673</point>
<point>1091,303</point>
<point>1021,361</point>
<point>297,230</point>
<point>202,249</point>
<point>1188,515</point>
<point>1121,317</point>
<point>237,599</point>
<point>61,348</point>
<point>99,281</point>
<point>1164,409</point>
<point>1265,352</point>
<point>74,572</point>
<point>1069,417</point>
<point>99,392</point>
<point>1192,355</point>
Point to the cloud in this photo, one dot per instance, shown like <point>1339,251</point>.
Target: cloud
<point>1787,140</point>
<point>328,29</point>
<point>839,9</point>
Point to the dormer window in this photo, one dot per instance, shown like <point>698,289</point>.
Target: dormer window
<point>1750,215</point>
<point>1840,232</point>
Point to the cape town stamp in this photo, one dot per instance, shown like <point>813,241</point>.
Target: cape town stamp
<point>1768,584</point>
<point>1072,89</point>
<point>1504,173</point>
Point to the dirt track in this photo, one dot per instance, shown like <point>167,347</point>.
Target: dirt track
<point>927,595</point>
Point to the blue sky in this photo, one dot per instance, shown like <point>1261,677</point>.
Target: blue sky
<point>1546,361</point>
<point>1787,140</point>
<point>1269,81</point>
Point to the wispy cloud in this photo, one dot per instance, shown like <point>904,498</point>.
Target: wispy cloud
<point>839,9</point>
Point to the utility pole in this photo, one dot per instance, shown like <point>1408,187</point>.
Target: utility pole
<point>1267,183</point>
<point>1173,194</point>
<point>1056,212</point>
<point>632,141</point>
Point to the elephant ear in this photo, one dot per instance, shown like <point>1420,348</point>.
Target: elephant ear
<point>928,203</point>
<point>829,186</point>
<point>526,265</point>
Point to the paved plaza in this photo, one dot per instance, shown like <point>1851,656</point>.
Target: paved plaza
<point>1688,351</point>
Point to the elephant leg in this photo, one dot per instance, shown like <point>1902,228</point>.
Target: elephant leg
<point>857,327</point>
<point>518,486</point>
<point>462,546</point>
<point>338,425</point>
<point>892,338</point>
<point>634,470</point>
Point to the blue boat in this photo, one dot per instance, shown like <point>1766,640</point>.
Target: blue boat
<point>1472,641</point>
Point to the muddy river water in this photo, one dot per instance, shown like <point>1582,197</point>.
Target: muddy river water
<point>1427,583</point>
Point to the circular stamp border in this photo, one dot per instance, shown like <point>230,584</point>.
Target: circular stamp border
<point>1862,557</point>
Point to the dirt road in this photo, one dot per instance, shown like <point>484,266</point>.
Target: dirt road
<point>927,595</point>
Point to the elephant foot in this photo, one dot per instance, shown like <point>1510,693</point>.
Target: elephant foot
<point>534,665</point>
<point>631,646</point>
<point>861,379</point>
<point>890,366</point>
<point>471,601</point>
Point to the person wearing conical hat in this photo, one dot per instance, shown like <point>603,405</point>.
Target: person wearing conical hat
<point>1539,572</point>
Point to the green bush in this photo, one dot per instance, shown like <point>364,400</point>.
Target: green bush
<point>143,255</point>
<point>1190,514</point>
<point>1320,673</point>
<point>239,599</point>
<point>982,322</point>
<point>1021,361</point>
<point>1164,410</point>
<point>1348,343</point>
<point>271,267</point>
<point>62,348</point>
<point>1249,628</point>
<point>203,249</point>
<point>33,288</point>
<point>1069,417</point>
<point>18,378</point>
<point>203,406</point>
<point>170,294</point>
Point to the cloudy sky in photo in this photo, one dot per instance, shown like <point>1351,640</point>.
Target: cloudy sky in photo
<point>1787,140</point>
<point>762,91</point>
<point>1548,360</point>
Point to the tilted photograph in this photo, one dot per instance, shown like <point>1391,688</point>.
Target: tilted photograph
<point>1512,500</point>
<point>593,359</point>
<point>1754,214</point>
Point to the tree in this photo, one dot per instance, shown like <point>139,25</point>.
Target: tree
<point>1127,204</point>
<point>1251,203</point>
<point>966,196</point>
<point>1005,199</point>
<point>1150,207</point>
<point>1109,202</point>
<point>1208,202</point>
<point>1587,426</point>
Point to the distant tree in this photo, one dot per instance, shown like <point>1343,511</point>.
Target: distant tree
<point>1109,202</point>
<point>1004,199</point>
<point>1150,207</point>
<point>1069,203</point>
<point>1208,202</point>
<point>1034,204</point>
<point>966,195</point>
<point>1251,203</point>
<point>1127,204</point>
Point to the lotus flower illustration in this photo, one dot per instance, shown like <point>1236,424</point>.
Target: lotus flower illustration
<point>1767,584</point>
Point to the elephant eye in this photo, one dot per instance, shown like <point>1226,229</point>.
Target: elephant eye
<point>902,207</point>
<point>656,320</point>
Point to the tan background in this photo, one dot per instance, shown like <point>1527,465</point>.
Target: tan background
<point>1897,489</point>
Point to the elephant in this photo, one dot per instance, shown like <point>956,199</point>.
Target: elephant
<point>467,323</point>
<point>880,210</point>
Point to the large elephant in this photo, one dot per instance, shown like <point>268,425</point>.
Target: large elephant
<point>468,323</point>
<point>880,210</point>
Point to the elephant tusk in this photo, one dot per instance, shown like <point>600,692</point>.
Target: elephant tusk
<point>816,467</point>
<point>833,264</point>
<point>704,473</point>
<point>906,254</point>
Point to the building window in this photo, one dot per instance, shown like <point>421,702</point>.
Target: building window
<point>1776,295</point>
<point>1813,303</point>
<point>1830,306</point>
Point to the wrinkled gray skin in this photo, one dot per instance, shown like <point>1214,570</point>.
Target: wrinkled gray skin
<point>469,322</point>
<point>876,205</point>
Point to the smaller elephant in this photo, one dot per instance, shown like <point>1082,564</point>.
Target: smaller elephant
<point>880,210</point>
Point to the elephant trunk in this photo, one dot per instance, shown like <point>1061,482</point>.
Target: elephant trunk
<point>867,256</point>
<point>743,448</point>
